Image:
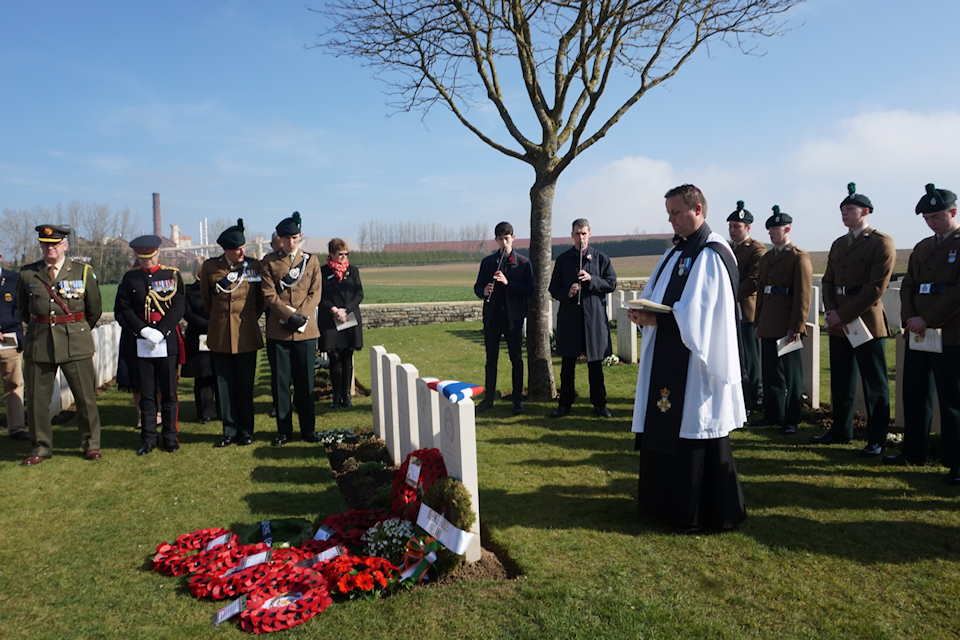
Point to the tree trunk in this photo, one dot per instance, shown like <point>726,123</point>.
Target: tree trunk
<point>540,383</point>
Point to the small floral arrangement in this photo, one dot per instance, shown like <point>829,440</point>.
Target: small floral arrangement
<point>354,576</point>
<point>388,539</point>
<point>611,360</point>
<point>336,436</point>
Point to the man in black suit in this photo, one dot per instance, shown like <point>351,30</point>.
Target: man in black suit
<point>505,281</point>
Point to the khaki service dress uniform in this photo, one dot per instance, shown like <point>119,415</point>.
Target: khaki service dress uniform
<point>748,254</point>
<point>291,284</point>
<point>858,272</point>
<point>785,281</point>
<point>233,298</point>
<point>60,317</point>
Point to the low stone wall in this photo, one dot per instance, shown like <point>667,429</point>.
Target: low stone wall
<point>402,314</point>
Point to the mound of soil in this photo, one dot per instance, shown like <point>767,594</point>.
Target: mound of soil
<point>364,484</point>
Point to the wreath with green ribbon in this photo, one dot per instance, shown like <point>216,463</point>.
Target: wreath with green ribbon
<point>450,498</point>
<point>285,532</point>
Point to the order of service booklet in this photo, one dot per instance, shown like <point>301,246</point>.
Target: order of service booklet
<point>647,305</point>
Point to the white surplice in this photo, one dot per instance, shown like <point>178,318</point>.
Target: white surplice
<point>706,315</point>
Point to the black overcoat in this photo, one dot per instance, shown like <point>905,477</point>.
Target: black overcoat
<point>520,286</point>
<point>346,294</point>
<point>199,363</point>
<point>591,314</point>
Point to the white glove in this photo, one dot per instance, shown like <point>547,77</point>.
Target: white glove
<point>151,334</point>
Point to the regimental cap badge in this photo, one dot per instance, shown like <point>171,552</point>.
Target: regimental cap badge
<point>741,214</point>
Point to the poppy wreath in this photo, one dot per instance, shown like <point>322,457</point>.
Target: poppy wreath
<point>286,532</point>
<point>246,580</point>
<point>354,576</point>
<point>405,501</point>
<point>348,527</point>
<point>449,497</point>
<point>202,581</point>
<point>264,616</point>
<point>176,558</point>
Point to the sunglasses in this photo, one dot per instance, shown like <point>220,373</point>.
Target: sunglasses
<point>344,253</point>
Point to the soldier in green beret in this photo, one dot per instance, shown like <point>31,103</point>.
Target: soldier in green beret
<point>748,253</point>
<point>859,267</point>
<point>785,282</point>
<point>59,300</point>
<point>930,311</point>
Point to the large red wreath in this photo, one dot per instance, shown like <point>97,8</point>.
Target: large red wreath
<point>263,616</point>
<point>176,558</point>
<point>348,527</point>
<point>202,581</point>
<point>405,502</point>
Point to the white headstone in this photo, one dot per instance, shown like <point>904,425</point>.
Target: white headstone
<point>407,375</point>
<point>811,364</point>
<point>55,404</point>
<point>813,314</point>
<point>626,337</point>
<point>428,414</point>
<point>376,389</point>
<point>554,311</point>
<point>608,300</point>
<point>391,418</point>
<point>458,444</point>
<point>618,298</point>
<point>891,304</point>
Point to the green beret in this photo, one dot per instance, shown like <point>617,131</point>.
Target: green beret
<point>740,215</point>
<point>857,199</point>
<point>778,219</point>
<point>232,238</point>
<point>52,233</point>
<point>289,226</point>
<point>936,200</point>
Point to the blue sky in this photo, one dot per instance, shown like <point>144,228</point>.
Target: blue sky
<point>218,106</point>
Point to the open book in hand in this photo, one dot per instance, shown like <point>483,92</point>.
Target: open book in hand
<point>647,305</point>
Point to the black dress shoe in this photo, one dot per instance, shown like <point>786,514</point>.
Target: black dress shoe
<point>603,412</point>
<point>225,441</point>
<point>561,411</point>
<point>953,478</point>
<point>204,420</point>
<point>335,403</point>
<point>763,422</point>
<point>280,440</point>
<point>20,435</point>
<point>172,447</point>
<point>312,437</point>
<point>687,530</point>
<point>244,439</point>
<point>518,407</point>
<point>829,438</point>
<point>871,451</point>
<point>487,403</point>
<point>145,449</point>
<point>901,460</point>
<point>346,401</point>
<point>788,429</point>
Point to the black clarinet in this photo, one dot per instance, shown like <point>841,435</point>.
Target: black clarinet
<point>499,266</point>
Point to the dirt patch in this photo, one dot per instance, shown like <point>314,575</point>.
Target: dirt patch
<point>365,484</point>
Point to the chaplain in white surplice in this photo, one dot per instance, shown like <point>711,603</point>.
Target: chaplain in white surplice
<point>689,397</point>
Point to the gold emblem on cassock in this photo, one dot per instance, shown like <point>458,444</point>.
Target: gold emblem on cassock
<point>664,402</point>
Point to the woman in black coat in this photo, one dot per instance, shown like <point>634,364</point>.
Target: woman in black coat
<point>199,365</point>
<point>340,297</point>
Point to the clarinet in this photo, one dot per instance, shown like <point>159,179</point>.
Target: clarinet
<point>580,251</point>
<point>499,266</point>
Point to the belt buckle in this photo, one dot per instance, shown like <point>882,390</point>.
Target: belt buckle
<point>839,291</point>
<point>767,289</point>
<point>53,320</point>
<point>925,287</point>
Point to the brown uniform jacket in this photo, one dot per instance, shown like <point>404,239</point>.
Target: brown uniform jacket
<point>77,287</point>
<point>748,256</point>
<point>867,264</point>
<point>938,266</point>
<point>304,295</point>
<point>778,313</point>
<point>234,311</point>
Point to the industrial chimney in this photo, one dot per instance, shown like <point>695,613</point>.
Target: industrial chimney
<point>157,226</point>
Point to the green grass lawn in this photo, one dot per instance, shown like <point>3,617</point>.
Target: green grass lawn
<point>833,546</point>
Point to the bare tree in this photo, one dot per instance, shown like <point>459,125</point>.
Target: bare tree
<point>564,52</point>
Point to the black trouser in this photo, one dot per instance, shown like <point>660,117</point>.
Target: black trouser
<point>782,383</point>
<point>158,375</point>
<point>294,362</point>
<point>235,377</point>
<point>751,366</point>
<point>921,371</point>
<point>598,392</point>
<point>341,372</point>
<point>206,397</point>
<point>871,359</point>
<point>491,340</point>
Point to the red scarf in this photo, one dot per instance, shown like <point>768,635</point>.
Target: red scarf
<point>339,268</point>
